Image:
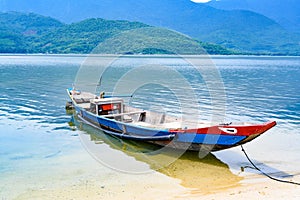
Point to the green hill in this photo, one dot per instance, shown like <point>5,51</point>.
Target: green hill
<point>83,36</point>
<point>32,33</point>
<point>18,30</point>
<point>241,30</point>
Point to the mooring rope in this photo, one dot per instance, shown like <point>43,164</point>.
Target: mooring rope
<point>267,175</point>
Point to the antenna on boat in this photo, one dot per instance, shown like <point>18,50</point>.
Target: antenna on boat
<point>73,86</point>
<point>98,85</point>
<point>102,93</point>
<point>99,82</point>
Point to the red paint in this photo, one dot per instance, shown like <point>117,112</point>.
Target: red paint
<point>107,107</point>
<point>242,130</point>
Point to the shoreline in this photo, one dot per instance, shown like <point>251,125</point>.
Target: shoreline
<point>152,55</point>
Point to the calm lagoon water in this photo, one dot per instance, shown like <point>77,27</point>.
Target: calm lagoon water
<point>40,150</point>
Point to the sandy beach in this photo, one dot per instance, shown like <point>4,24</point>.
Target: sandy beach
<point>186,178</point>
<point>158,186</point>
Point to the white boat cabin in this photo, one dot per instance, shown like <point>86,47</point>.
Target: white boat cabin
<point>107,106</point>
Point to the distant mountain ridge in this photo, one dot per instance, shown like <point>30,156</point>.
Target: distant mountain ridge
<point>285,12</point>
<point>32,33</point>
<point>239,30</point>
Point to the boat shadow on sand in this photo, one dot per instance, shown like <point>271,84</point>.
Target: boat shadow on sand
<point>205,175</point>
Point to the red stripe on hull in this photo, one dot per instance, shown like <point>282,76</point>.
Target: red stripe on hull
<point>239,130</point>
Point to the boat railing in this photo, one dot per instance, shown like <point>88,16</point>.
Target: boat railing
<point>122,114</point>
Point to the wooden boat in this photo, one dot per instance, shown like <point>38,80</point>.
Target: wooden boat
<point>112,116</point>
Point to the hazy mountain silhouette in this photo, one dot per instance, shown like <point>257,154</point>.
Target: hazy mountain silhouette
<point>285,12</point>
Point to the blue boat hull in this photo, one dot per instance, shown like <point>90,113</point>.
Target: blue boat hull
<point>213,138</point>
<point>160,137</point>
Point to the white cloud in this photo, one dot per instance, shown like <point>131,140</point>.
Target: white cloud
<point>200,1</point>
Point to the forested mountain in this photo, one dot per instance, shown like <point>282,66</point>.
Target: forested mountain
<point>240,30</point>
<point>32,33</point>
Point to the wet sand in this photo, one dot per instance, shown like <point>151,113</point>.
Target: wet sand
<point>93,184</point>
<point>266,190</point>
<point>84,177</point>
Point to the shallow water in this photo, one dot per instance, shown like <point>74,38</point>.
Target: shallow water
<point>37,142</point>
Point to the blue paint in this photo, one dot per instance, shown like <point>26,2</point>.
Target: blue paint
<point>181,137</point>
<point>146,131</point>
<point>118,126</point>
<point>209,138</point>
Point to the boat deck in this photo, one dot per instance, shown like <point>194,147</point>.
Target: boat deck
<point>152,119</point>
<point>83,97</point>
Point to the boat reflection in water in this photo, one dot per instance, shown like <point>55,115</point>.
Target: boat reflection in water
<point>204,175</point>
